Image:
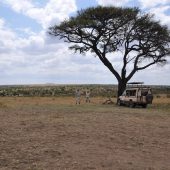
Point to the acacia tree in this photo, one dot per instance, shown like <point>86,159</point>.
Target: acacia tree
<point>103,30</point>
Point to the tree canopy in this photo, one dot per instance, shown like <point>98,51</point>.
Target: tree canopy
<point>104,30</point>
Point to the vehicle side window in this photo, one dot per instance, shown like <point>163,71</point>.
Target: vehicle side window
<point>131,93</point>
<point>127,93</point>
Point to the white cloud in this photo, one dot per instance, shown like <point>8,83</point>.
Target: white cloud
<point>153,3</point>
<point>54,11</point>
<point>7,37</point>
<point>27,31</point>
<point>2,22</point>
<point>112,2</point>
<point>40,58</point>
<point>159,9</point>
<point>37,54</point>
<point>159,13</point>
<point>18,5</point>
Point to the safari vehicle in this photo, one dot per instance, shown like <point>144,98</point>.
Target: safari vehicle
<point>136,94</point>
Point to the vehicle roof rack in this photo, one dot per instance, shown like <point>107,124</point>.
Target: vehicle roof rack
<point>136,85</point>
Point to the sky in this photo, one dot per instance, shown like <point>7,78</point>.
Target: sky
<point>28,55</point>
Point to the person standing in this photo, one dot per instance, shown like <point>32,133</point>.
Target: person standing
<point>78,95</point>
<point>87,96</point>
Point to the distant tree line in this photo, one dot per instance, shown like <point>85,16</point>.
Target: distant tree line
<point>69,90</point>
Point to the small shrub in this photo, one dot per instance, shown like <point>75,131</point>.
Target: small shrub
<point>2,105</point>
<point>168,95</point>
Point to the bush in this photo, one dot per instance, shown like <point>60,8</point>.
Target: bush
<point>168,95</point>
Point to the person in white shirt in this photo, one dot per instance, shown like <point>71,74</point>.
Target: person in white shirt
<point>78,95</point>
<point>87,96</point>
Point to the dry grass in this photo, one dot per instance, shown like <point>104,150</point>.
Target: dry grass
<point>14,101</point>
<point>45,133</point>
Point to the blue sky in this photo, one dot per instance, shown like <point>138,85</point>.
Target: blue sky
<point>28,55</point>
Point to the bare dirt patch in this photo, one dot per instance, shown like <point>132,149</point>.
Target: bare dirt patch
<point>54,133</point>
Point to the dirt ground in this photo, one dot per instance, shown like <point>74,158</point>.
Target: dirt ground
<point>55,134</point>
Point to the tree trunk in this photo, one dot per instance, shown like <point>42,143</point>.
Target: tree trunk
<point>121,88</point>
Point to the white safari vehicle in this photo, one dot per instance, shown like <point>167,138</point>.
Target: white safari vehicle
<point>136,94</point>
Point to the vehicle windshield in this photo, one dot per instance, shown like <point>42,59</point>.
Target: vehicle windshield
<point>145,92</point>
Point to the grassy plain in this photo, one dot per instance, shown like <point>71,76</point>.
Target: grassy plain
<point>52,133</point>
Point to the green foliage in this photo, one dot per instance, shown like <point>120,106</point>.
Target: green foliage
<point>108,29</point>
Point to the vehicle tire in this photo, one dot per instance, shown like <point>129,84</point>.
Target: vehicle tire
<point>131,104</point>
<point>119,103</point>
<point>144,105</point>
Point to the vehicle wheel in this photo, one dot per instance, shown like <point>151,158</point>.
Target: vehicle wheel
<point>144,105</point>
<point>119,103</point>
<point>131,104</point>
